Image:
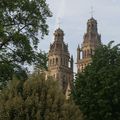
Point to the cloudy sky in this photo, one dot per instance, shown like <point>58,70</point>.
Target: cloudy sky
<point>73,16</point>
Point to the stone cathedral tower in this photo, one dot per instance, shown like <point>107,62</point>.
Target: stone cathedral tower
<point>91,40</point>
<point>60,64</point>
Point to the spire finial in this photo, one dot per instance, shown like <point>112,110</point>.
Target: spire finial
<point>92,11</point>
<point>59,22</point>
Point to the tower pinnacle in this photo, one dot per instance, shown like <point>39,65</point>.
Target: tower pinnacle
<point>91,41</point>
<point>92,11</point>
<point>60,64</point>
<point>59,22</point>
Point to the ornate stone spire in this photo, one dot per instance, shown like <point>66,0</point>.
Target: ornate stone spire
<point>60,64</point>
<point>92,35</point>
<point>91,40</point>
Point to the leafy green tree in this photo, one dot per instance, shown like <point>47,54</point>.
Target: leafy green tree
<point>97,89</point>
<point>21,21</point>
<point>36,99</point>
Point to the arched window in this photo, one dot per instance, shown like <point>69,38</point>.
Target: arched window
<point>56,61</point>
<point>91,52</point>
<point>92,25</point>
<point>89,26</point>
<point>88,53</point>
<point>61,61</point>
<point>50,62</point>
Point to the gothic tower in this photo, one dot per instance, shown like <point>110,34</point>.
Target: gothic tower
<point>91,40</point>
<point>60,64</point>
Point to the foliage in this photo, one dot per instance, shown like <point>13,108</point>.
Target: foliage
<point>97,89</point>
<point>21,21</point>
<point>36,99</point>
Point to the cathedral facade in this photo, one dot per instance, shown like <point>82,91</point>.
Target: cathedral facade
<point>60,63</point>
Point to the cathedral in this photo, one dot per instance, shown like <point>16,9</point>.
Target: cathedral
<point>60,62</point>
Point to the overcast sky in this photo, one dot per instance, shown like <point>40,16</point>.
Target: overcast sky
<point>73,16</point>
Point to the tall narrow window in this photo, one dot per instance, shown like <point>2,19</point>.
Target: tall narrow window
<point>61,61</point>
<point>88,53</point>
<point>50,62</point>
<point>53,61</point>
<point>56,61</point>
<point>91,52</point>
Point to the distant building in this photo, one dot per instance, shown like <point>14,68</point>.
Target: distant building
<point>60,64</point>
<point>91,40</point>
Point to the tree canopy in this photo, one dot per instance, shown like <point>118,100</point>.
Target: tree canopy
<point>21,22</point>
<point>36,99</point>
<point>97,89</point>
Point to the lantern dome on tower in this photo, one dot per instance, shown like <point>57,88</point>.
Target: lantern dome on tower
<point>59,32</point>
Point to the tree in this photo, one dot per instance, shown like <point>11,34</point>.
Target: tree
<point>97,89</point>
<point>20,23</point>
<point>36,99</point>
